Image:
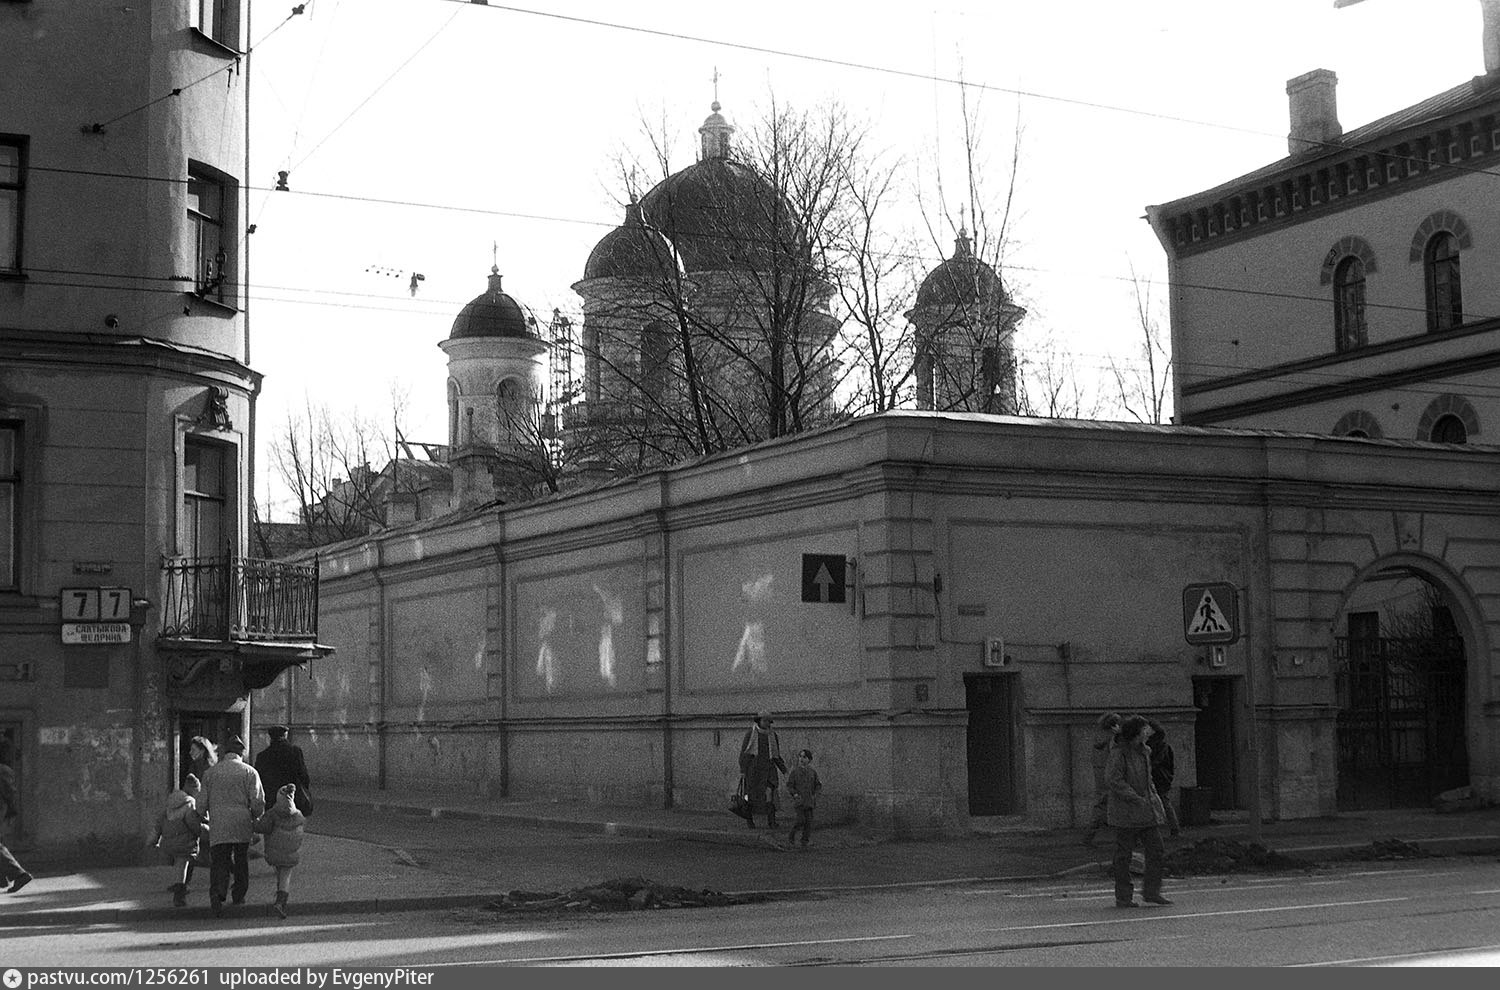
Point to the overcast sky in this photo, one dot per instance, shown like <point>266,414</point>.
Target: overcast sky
<point>416,133</point>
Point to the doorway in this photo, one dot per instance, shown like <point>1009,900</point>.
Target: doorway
<point>213,726</point>
<point>1213,739</point>
<point>10,731</point>
<point>990,699</point>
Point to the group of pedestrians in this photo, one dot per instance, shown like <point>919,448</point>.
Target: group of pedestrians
<point>761,765</point>
<point>223,803</point>
<point>1133,771</point>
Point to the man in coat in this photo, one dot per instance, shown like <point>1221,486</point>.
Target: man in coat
<point>232,799</point>
<point>281,763</point>
<point>1135,812</point>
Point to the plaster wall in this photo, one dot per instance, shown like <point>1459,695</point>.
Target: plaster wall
<point>641,624</point>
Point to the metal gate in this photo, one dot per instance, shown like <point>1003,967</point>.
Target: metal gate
<point>1400,720</point>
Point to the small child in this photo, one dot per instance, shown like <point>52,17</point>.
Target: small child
<point>283,827</point>
<point>177,833</point>
<point>803,785</point>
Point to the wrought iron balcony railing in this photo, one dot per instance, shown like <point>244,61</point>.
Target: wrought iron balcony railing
<point>239,599</point>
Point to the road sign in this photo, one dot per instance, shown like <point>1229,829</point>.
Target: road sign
<point>824,577</point>
<point>1211,613</point>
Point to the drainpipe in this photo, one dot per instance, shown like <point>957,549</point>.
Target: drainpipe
<point>663,643</point>
<point>384,656</point>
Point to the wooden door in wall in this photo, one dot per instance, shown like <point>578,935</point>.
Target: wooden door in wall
<point>213,726</point>
<point>992,766</point>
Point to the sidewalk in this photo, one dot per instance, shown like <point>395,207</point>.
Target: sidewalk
<point>357,875</point>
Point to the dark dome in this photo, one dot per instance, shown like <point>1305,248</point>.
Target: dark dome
<point>721,215</point>
<point>961,280</point>
<point>632,250</point>
<point>493,314</point>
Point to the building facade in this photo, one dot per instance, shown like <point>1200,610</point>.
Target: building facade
<point>1346,288</point>
<point>131,617</point>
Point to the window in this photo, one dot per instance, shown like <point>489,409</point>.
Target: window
<point>1449,429</point>
<point>10,497</point>
<point>216,19</point>
<point>204,499</point>
<point>656,356</point>
<point>510,399</point>
<point>1445,307</point>
<point>1349,304</point>
<point>12,190</point>
<point>211,211</point>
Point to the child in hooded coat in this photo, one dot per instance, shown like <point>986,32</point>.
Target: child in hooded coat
<point>283,826</point>
<point>178,830</point>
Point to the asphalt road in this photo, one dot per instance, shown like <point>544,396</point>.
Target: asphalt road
<point>1436,912</point>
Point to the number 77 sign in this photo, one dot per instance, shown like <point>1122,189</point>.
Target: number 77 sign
<point>94,604</point>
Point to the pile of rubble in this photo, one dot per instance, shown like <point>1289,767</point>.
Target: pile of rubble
<point>622,894</point>
<point>1387,849</point>
<point>1209,856</point>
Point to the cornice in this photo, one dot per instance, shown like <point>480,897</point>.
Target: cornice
<point>1314,186</point>
<point>108,352</point>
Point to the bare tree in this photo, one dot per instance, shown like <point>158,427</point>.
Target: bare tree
<point>324,458</point>
<point>1144,385</point>
<point>1049,383</point>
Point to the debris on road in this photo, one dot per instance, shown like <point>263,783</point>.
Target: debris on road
<point>1388,849</point>
<point>622,894</point>
<point>1215,855</point>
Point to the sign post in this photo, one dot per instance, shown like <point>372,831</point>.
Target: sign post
<point>94,615</point>
<point>1211,617</point>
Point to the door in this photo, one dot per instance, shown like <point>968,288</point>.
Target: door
<point>992,773</point>
<point>213,726</point>
<point>1213,739</point>
<point>11,733</point>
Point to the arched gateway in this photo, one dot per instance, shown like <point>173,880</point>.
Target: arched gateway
<point>1401,685</point>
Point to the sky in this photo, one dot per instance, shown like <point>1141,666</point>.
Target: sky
<point>437,136</point>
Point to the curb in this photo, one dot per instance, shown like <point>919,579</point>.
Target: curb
<point>115,915</point>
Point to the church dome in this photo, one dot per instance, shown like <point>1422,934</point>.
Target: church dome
<point>721,214</point>
<point>492,314</point>
<point>632,250</point>
<point>961,280</point>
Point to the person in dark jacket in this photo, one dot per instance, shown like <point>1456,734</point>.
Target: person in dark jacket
<point>1105,731</point>
<point>1135,813</point>
<point>281,763</point>
<point>1163,771</point>
<point>178,831</point>
<point>760,759</point>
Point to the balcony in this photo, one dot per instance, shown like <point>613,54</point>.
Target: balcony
<point>255,617</point>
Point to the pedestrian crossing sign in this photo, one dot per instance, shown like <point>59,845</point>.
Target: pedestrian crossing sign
<point>1211,613</point>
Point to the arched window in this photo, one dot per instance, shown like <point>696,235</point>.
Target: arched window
<point>452,413</point>
<point>1445,305</point>
<point>1449,429</point>
<point>510,404</point>
<point>656,352</point>
<point>1349,304</point>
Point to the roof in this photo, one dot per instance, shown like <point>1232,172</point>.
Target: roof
<point>634,249</point>
<point>1477,92</point>
<point>493,313</point>
<point>961,280</point>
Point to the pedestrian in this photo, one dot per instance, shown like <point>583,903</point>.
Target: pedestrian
<point>282,763</point>
<point>803,785</point>
<point>760,759</point>
<point>1105,731</point>
<point>283,826</point>
<point>202,754</point>
<point>1135,812</point>
<point>1163,771</point>
<point>232,800</point>
<point>11,871</point>
<point>178,831</point>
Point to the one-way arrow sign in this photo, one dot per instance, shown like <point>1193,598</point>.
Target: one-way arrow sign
<point>823,577</point>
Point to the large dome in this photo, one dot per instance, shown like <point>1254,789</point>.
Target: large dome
<point>492,314</point>
<point>632,250</point>
<point>721,215</point>
<point>962,280</point>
